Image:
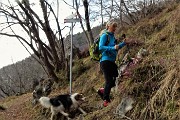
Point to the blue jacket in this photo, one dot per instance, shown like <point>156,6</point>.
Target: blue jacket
<point>108,51</point>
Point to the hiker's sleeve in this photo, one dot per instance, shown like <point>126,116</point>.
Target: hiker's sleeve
<point>102,42</point>
<point>122,44</point>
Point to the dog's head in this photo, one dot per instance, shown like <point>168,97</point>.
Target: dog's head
<point>78,97</point>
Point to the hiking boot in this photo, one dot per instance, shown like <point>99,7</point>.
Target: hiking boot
<point>101,92</point>
<point>105,103</point>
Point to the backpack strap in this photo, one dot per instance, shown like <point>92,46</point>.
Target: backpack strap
<point>108,38</point>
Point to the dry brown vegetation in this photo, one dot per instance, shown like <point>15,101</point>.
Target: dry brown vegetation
<point>154,85</point>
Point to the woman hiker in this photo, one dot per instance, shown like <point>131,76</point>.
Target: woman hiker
<point>107,61</point>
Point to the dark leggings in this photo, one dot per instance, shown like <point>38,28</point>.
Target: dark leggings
<point>110,72</point>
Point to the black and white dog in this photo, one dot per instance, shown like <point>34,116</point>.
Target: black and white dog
<point>63,103</point>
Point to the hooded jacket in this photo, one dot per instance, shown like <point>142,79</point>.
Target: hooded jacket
<point>108,51</point>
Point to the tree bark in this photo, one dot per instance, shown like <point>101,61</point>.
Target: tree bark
<point>51,37</point>
<point>79,16</point>
<point>90,35</point>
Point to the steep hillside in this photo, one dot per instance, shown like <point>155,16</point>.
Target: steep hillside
<point>154,84</point>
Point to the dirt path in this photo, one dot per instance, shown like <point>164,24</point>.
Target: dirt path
<point>16,108</point>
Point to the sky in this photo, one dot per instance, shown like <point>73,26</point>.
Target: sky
<point>12,51</point>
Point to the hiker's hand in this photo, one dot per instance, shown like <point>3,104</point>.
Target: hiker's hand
<point>116,47</point>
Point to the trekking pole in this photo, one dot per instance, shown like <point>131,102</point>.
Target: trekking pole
<point>123,61</point>
<point>125,53</point>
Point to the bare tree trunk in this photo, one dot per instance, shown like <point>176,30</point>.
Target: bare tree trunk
<point>51,37</point>
<point>59,43</point>
<point>129,14</point>
<point>90,35</point>
<point>44,53</point>
<point>121,16</point>
<point>79,16</point>
<point>102,21</point>
<point>144,9</point>
<point>111,9</point>
<point>48,66</point>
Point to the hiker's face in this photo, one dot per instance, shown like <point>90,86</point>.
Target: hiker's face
<point>112,28</point>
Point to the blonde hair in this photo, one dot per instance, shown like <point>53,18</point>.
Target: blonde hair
<point>102,31</point>
<point>111,22</point>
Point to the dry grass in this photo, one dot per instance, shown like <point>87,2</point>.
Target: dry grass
<point>163,99</point>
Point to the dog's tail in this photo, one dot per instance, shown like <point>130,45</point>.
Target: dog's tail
<point>45,102</point>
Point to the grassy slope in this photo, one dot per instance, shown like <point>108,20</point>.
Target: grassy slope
<point>154,85</point>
